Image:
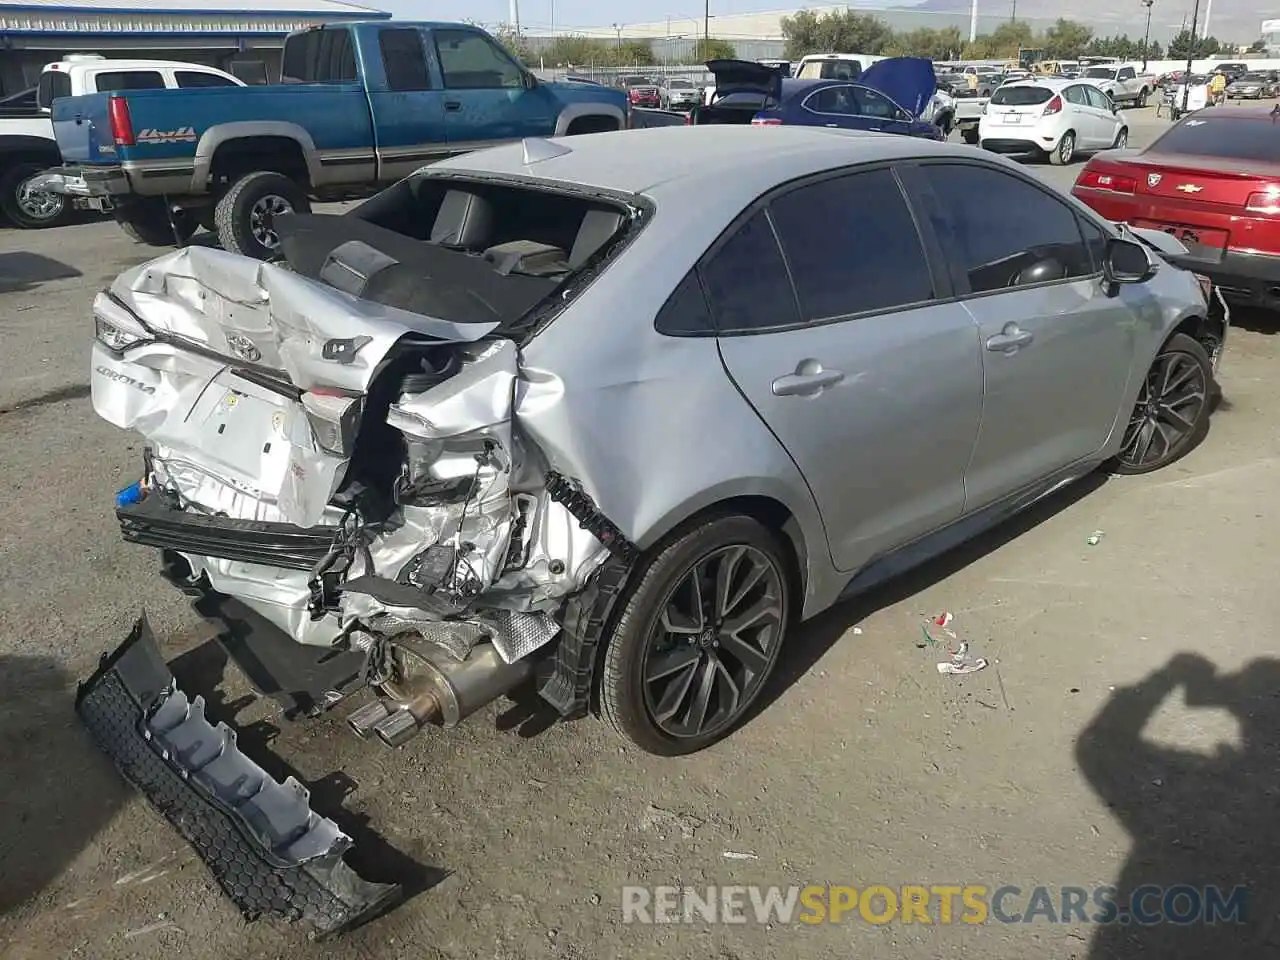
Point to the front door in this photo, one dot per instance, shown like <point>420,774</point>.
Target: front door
<point>1084,120</point>
<point>488,97</point>
<point>1057,349</point>
<point>832,326</point>
<point>1109,122</point>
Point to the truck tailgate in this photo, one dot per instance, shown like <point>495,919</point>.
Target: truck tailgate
<point>82,127</point>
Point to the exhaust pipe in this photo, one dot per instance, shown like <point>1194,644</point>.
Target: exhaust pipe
<point>363,721</point>
<point>454,691</point>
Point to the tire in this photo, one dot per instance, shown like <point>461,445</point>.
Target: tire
<point>1122,139</point>
<point>1181,370</point>
<point>1065,151</point>
<point>148,223</point>
<point>246,212</point>
<point>970,137</point>
<point>1142,99</point>
<point>31,211</point>
<point>733,546</point>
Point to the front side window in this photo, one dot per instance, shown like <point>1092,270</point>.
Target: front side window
<point>998,231</point>
<point>746,281</point>
<point>1098,98</point>
<point>471,61</point>
<point>194,78</point>
<point>852,246</point>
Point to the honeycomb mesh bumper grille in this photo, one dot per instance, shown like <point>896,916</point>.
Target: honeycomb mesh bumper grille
<point>230,821</point>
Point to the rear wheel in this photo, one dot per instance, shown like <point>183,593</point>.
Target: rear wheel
<point>30,209</point>
<point>1065,151</point>
<point>1172,413</point>
<point>698,636</point>
<point>245,215</point>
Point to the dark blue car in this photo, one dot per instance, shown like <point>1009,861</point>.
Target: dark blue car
<point>889,97</point>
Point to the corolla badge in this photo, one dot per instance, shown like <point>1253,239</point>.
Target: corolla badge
<point>243,347</point>
<point>1153,179</point>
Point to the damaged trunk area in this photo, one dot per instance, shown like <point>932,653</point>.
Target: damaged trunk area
<point>334,440</point>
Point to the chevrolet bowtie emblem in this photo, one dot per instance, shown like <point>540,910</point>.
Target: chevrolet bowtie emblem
<point>1189,188</point>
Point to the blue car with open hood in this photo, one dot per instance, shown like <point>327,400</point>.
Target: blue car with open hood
<point>891,96</point>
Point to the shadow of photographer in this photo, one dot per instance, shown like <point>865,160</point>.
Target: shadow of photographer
<point>1196,820</point>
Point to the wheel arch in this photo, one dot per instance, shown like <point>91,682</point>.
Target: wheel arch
<point>254,136</point>
<point>593,112</point>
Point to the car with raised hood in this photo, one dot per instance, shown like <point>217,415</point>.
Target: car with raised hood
<point>895,95</point>
<point>1213,181</point>
<point>589,415</point>
<point>1057,119</point>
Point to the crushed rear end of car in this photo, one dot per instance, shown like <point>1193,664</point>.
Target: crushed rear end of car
<point>335,456</point>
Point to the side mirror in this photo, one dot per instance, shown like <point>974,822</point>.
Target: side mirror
<point>1125,261</point>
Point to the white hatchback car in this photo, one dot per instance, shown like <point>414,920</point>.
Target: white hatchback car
<point>1058,118</point>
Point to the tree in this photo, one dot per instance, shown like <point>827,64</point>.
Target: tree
<point>633,53</point>
<point>579,51</point>
<point>834,32</point>
<point>1008,38</point>
<point>713,49</point>
<point>943,44</point>
<point>516,44</point>
<point>1258,46</point>
<point>1184,46</point>
<point>1066,38</point>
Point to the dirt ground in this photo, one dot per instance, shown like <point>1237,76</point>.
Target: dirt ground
<point>514,837</point>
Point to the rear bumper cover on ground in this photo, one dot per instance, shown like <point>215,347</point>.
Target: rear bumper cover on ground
<point>270,853</point>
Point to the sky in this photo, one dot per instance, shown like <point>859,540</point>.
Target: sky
<point>538,14</point>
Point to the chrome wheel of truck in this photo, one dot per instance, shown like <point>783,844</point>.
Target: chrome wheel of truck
<point>27,208</point>
<point>245,216</point>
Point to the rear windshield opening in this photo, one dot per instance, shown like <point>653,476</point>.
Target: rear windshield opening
<point>1021,96</point>
<point>1228,139</point>
<point>461,251</point>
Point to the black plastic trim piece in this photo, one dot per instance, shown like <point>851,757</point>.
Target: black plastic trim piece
<point>224,821</point>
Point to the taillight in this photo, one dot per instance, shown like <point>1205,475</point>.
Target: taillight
<point>1052,107</point>
<point>1266,201</point>
<point>121,122</point>
<point>1107,181</point>
<point>766,122</point>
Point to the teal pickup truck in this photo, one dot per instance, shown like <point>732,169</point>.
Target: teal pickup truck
<point>359,105</point>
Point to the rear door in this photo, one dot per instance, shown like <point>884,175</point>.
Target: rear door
<point>836,327</point>
<point>487,96</point>
<point>1057,349</point>
<point>407,105</point>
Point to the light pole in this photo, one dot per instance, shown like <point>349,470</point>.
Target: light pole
<point>1147,34</point>
<point>706,26</point>
<point>1191,53</point>
<point>973,21</point>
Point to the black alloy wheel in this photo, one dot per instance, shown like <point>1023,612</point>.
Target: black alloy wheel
<point>1172,413</point>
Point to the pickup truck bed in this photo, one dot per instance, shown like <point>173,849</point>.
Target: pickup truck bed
<point>364,104</point>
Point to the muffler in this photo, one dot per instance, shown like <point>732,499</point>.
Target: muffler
<point>444,690</point>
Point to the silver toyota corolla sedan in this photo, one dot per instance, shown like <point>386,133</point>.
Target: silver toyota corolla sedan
<point>611,415</point>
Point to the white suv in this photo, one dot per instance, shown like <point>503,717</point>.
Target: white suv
<point>1060,118</point>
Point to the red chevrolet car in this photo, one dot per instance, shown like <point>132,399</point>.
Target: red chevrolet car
<point>1213,181</point>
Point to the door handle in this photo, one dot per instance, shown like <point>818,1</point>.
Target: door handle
<point>1010,339</point>
<point>453,105</point>
<point>808,380</point>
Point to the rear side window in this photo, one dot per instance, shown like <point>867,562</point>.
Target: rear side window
<point>53,84</point>
<point>404,60</point>
<point>747,283</point>
<point>999,231</point>
<point>318,56</point>
<point>852,246</point>
<point>1021,96</point>
<point>1218,137</point>
<point>685,313</point>
<point>128,80</point>
<point>192,78</point>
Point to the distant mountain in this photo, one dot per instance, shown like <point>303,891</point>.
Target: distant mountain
<point>1239,21</point>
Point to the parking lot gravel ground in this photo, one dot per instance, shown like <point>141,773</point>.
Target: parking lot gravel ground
<point>514,837</point>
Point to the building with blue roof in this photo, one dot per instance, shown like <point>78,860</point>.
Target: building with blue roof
<point>244,36</point>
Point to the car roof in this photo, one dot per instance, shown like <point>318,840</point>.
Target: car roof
<point>1048,83</point>
<point>694,159</point>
